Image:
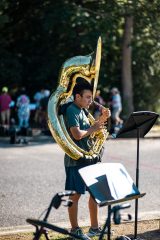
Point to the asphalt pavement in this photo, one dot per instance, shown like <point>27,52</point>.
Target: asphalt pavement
<point>32,173</point>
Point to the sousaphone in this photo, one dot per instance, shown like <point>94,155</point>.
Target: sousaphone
<point>86,67</point>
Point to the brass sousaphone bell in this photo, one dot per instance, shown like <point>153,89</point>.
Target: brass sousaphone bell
<point>86,67</point>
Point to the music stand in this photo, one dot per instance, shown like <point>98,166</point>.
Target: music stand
<point>109,183</point>
<point>137,126</point>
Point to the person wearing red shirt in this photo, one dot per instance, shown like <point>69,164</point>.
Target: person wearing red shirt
<point>5,101</point>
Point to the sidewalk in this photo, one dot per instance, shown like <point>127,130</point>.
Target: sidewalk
<point>154,132</point>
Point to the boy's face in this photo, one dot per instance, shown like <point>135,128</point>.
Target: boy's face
<point>85,99</point>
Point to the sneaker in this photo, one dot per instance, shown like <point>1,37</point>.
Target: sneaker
<point>93,232</point>
<point>78,231</point>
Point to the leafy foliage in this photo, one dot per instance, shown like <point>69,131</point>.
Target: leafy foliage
<point>38,36</point>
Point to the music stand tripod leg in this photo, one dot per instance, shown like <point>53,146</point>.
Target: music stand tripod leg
<point>137,185</point>
<point>107,225</point>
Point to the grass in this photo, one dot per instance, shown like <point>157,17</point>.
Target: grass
<point>148,230</point>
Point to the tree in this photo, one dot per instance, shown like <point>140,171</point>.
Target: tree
<point>127,85</point>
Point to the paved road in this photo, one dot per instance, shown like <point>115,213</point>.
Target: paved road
<point>30,175</point>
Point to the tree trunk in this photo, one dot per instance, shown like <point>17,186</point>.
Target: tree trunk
<point>127,88</point>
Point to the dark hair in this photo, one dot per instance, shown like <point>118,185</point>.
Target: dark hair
<point>80,86</point>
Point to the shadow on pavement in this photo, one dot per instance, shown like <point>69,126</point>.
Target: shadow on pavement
<point>26,141</point>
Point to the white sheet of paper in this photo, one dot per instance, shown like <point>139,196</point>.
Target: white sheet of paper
<point>114,175</point>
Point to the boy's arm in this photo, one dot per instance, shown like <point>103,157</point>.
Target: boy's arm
<point>78,134</point>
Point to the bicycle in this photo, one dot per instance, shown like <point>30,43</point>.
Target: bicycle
<point>42,225</point>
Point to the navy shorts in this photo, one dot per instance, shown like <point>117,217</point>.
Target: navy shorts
<point>74,180</point>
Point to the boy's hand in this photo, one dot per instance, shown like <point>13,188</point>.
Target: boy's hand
<point>98,125</point>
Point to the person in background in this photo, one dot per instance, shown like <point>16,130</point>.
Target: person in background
<point>23,109</point>
<point>38,96</point>
<point>43,109</point>
<point>97,109</point>
<point>5,101</point>
<point>115,105</point>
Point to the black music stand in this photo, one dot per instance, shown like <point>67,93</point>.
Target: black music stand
<point>109,183</point>
<point>137,126</point>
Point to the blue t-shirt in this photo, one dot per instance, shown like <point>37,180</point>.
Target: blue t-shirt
<point>76,117</point>
<point>116,101</point>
